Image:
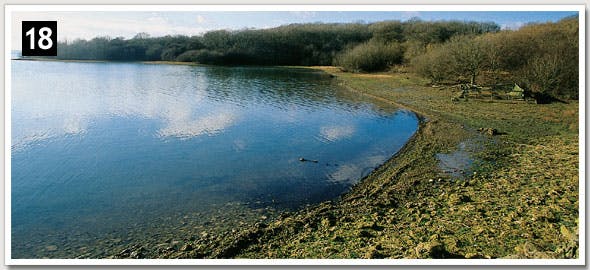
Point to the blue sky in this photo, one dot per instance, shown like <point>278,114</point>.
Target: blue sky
<point>236,20</point>
<point>88,24</point>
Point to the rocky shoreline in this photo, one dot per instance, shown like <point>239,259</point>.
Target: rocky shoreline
<point>512,203</point>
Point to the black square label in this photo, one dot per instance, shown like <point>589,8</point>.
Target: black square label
<point>39,38</point>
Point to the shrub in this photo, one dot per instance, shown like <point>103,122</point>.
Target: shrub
<point>370,56</point>
<point>434,65</point>
<point>188,56</point>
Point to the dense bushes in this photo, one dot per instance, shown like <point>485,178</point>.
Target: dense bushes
<point>462,58</point>
<point>543,58</point>
<point>424,65</point>
<point>295,44</point>
<point>370,56</point>
<point>552,69</point>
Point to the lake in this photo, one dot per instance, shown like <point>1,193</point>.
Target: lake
<point>110,155</point>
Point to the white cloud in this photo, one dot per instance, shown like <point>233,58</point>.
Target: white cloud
<point>304,14</point>
<point>410,14</point>
<point>512,25</point>
<point>87,25</point>
<point>201,19</point>
<point>157,20</point>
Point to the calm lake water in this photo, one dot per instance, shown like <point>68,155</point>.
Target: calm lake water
<point>108,155</point>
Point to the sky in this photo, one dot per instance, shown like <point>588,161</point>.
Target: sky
<point>89,24</point>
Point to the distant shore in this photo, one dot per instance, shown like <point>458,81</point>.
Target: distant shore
<point>106,61</point>
<point>159,62</point>
<point>58,60</point>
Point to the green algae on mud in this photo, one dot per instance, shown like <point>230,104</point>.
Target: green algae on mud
<point>518,200</point>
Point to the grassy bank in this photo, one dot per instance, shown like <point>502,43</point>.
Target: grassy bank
<point>517,197</point>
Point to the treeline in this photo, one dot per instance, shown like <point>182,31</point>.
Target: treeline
<point>395,42</point>
<point>296,44</point>
<point>542,58</point>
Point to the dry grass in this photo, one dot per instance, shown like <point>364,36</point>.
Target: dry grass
<point>370,75</point>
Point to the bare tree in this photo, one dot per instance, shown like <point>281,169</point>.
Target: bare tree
<point>468,56</point>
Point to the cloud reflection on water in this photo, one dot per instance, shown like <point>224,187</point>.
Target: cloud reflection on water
<point>64,109</point>
<point>186,128</point>
<point>358,168</point>
<point>335,133</point>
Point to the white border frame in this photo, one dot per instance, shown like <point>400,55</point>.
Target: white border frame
<point>272,8</point>
<point>8,9</point>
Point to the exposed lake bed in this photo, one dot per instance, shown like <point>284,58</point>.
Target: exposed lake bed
<point>512,203</point>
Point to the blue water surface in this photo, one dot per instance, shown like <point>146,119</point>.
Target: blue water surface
<point>107,148</point>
